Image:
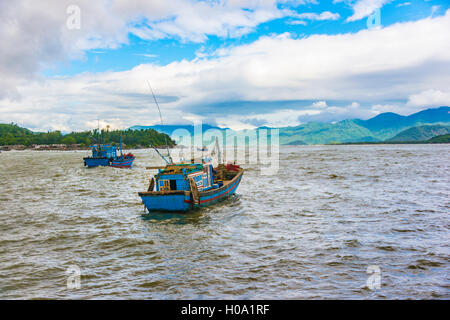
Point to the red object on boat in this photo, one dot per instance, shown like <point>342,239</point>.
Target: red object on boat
<point>232,167</point>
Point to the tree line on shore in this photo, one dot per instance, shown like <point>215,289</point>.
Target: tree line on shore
<point>12,134</point>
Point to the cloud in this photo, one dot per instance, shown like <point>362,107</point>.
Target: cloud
<point>326,15</point>
<point>319,104</point>
<point>297,22</point>
<point>364,8</point>
<point>278,118</point>
<point>194,21</point>
<point>432,98</point>
<point>370,67</point>
<point>297,3</point>
<point>434,9</point>
<point>319,111</point>
<point>404,4</point>
<point>146,55</point>
<point>36,33</point>
<point>396,108</point>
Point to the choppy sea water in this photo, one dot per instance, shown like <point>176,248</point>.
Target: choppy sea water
<point>309,232</point>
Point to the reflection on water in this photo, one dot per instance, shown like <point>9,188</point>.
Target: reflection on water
<point>309,232</point>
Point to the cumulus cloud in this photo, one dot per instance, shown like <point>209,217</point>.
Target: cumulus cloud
<point>35,34</point>
<point>318,111</point>
<point>277,118</point>
<point>319,104</point>
<point>393,63</point>
<point>430,98</point>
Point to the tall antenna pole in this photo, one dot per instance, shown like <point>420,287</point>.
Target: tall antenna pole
<point>160,117</point>
<point>98,129</point>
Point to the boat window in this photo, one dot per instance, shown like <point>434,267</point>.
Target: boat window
<point>163,185</point>
<point>173,184</point>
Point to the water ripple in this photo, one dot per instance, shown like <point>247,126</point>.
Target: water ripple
<point>309,232</point>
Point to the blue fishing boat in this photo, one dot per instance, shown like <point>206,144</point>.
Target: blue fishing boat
<point>181,187</point>
<point>106,155</point>
<point>123,161</point>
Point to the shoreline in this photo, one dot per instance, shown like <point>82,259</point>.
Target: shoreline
<point>377,143</point>
<point>45,148</point>
<point>61,148</point>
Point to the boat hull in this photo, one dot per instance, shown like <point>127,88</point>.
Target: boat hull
<point>166,201</point>
<point>91,162</point>
<point>213,196</point>
<point>183,200</point>
<point>122,163</point>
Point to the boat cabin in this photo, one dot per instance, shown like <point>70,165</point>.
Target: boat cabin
<point>104,151</point>
<point>177,176</point>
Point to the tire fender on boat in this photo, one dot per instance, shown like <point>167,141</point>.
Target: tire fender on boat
<point>194,192</point>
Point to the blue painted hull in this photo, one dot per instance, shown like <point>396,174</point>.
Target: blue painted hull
<point>118,163</point>
<point>95,162</point>
<point>159,201</point>
<point>182,200</point>
<point>210,197</point>
<point>122,163</point>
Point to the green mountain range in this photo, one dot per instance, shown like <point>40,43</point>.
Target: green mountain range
<point>380,128</point>
<point>421,133</point>
<point>323,133</point>
<point>445,138</point>
<point>389,127</point>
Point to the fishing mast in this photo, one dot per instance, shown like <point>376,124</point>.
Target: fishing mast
<point>121,154</point>
<point>160,117</point>
<point>219,153</point>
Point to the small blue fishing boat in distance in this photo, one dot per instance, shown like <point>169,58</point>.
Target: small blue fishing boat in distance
<point>181,187</point>
<point>106,155</point>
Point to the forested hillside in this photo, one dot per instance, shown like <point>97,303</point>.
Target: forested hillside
<point>12,134</point>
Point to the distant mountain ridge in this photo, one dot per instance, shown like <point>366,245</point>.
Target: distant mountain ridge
<point>390,119</point>
<point>386,125</point>
<point>445,138</point>
<point>169,129</point>
<point>379,128</point>
<point>421,133</point>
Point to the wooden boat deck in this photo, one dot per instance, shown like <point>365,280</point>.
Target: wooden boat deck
<point>236,176</point>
